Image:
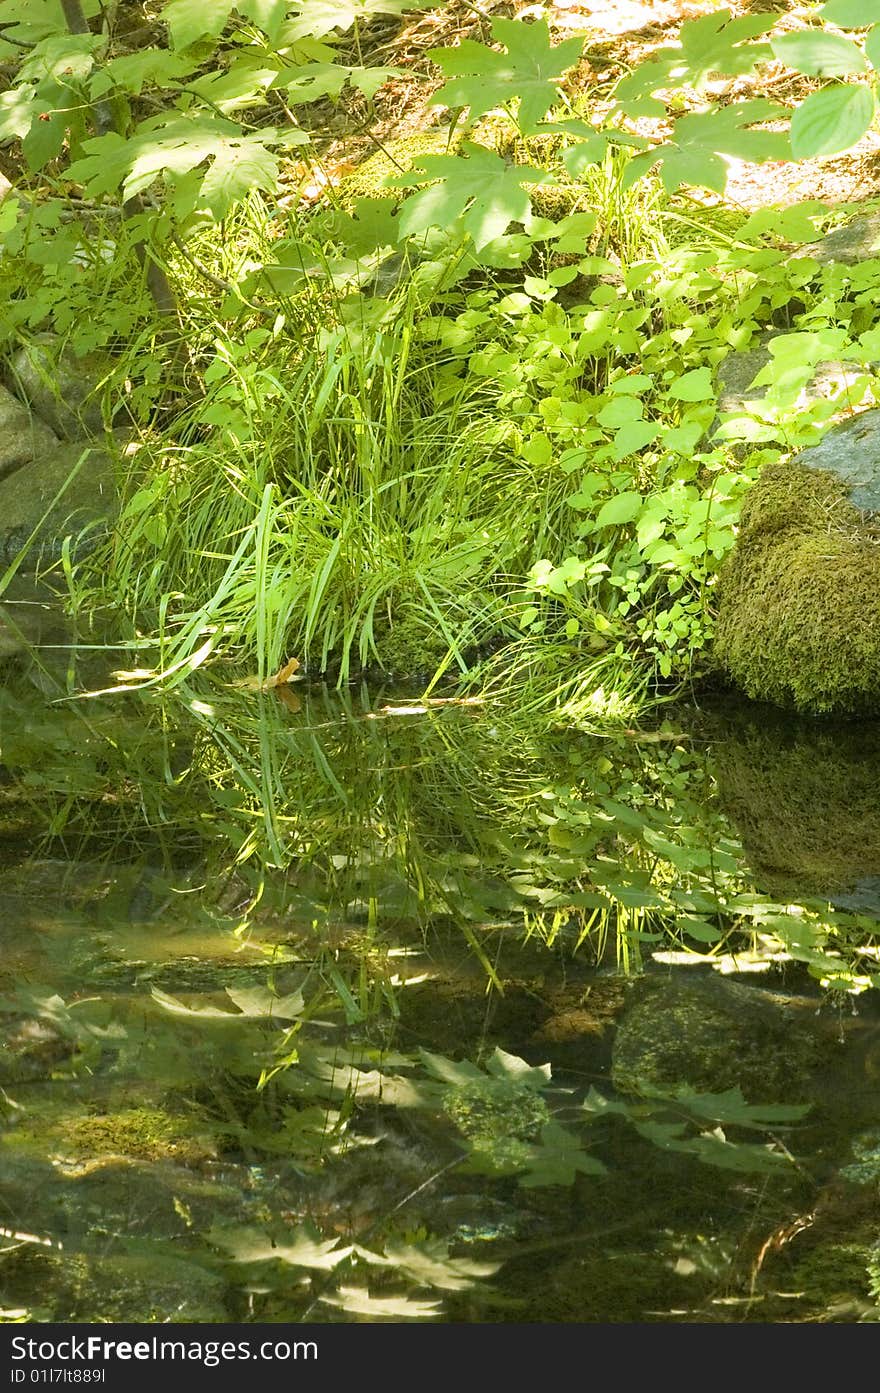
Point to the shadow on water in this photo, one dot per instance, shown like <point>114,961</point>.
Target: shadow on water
<point>349,1008</point>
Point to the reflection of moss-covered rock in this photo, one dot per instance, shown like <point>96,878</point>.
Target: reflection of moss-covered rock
<point>804,802</point>
<point>712,1035</point>
<point>144,1287</point>
<point>799,599</point>
<point>498,1118</point>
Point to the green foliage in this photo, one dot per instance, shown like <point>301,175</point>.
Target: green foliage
<point>481,79</point>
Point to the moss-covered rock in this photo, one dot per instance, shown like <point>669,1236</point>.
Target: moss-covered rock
<point>712,1035</point>
<point>799,597</point>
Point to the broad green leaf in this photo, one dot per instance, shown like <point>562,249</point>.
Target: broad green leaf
<point>481,78</point>
<point>714,43</point>
<point>476,186</point>
<point>61,57</point>
<point>851,14</point>
<point>190,20</point>
<point>620,411</point>
<point>134,71</point>
<point>268,15</point>
<point>634,436</point>
<point>371,224</point>
<point>692,386</point>
<point>237,168</point>
<point>45,139</point>
<point>311,81</point>
<point>831,120</point>
<point>260,1003</point>
<point>731,1107</point>
<point>619,510</point>
<point>819,54</point>
<point>243,84</point>
<point>693,155</point>
<point>872,46</point>
<point>19,108</point>
<point>26,22</point>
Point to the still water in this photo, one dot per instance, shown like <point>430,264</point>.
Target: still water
<point>351,1008</point>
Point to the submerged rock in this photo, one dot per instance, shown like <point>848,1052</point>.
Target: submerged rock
<point>712,1034</point>
<point>799,596</point>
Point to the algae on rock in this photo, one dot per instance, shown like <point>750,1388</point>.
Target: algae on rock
<point>799,596</point>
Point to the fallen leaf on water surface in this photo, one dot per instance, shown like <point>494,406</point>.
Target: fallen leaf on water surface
<point>281,678</point>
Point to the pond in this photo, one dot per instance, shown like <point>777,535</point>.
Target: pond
<point>339,1007</point>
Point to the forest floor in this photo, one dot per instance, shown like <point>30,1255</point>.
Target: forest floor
<point>618,34</point>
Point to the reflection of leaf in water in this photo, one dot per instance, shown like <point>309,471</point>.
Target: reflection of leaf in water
<point>730,1106</point>
<point>713,1148</point>
<point>254,1003</point>
<point>558,1159</point>
<point>301,1248</point>
<point>359,1302</point>
<point>429,1264</point>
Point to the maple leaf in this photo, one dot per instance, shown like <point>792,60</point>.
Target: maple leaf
<point>531,68</point>
<point>694,155</point>
<point>476,186</point>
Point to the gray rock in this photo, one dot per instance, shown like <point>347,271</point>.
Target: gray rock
<point>851,451</point>
<point>23,436</point>
<point>858,240</point>
<point>62,389</point>
<point>738,371</point>
<point>29,503</point>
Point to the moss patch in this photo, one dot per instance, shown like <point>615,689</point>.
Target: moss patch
<point>799,599</point>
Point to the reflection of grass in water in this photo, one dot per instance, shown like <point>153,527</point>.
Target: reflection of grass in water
<point>404,814</point>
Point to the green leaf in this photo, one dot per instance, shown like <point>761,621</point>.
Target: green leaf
<point>190,20</point>
<point>530,70</point>
<point>716,43</point>
<point>134,71</point>
<point>693,155</point>
<point>851,14</point>
<point>242,84</point>
<point>634,436</point>
<point>819,54</point>
<point>693,386</point>
<point>872,46</point>
<point>476,186</point>
<point>620,510</point>
<point>268,15</point>
<point>831,120</point>
<point>448,1071</point>
<point>237,168</point>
